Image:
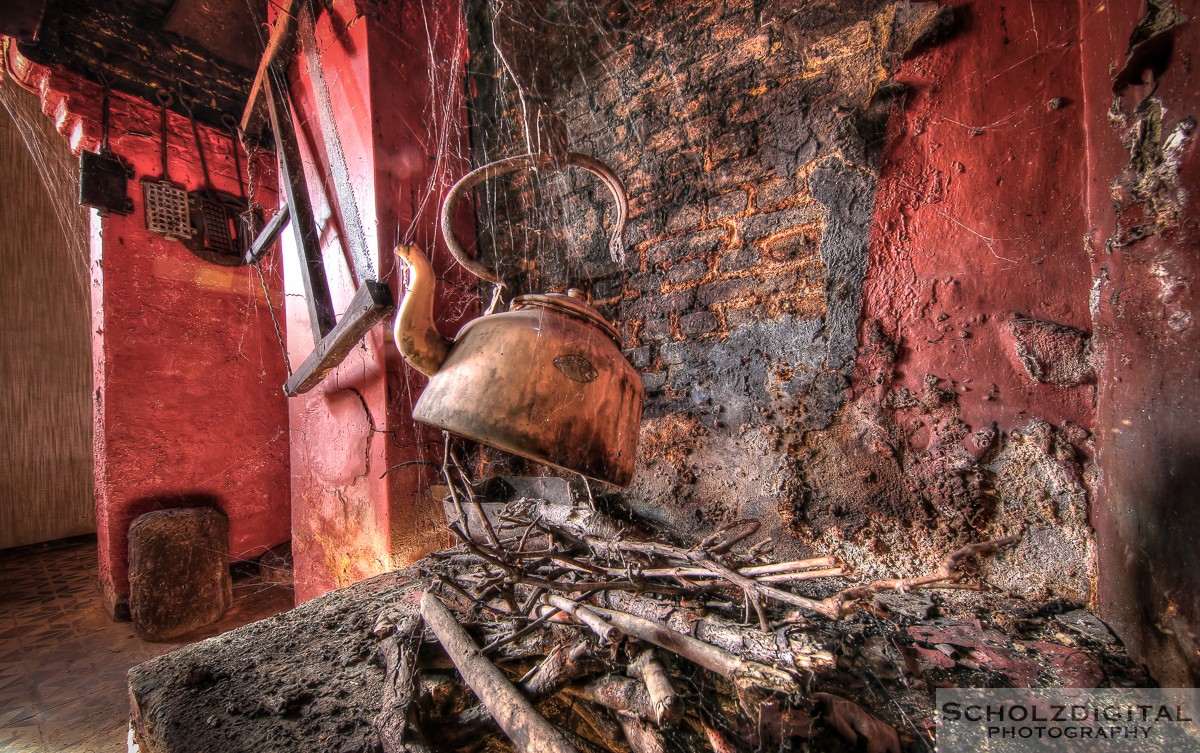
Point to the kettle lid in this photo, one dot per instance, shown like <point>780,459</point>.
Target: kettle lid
<point>573,303</point>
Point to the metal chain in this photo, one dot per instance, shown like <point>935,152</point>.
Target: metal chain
<point>274,322</point>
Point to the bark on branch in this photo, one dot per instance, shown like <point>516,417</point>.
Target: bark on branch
<point>528,729</point>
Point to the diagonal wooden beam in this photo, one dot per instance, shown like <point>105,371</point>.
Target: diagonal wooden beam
<point>267,236</point>
<point>295,188</point>
<point>371,304</point>
<point>282,40</point>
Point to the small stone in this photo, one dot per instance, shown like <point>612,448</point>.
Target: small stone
<point>178,571</point>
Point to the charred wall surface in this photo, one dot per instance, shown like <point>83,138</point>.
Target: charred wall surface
<point>752,138</point>
<point>1144,243</point>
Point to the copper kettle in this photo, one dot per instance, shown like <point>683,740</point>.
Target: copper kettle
<point>546,379</point>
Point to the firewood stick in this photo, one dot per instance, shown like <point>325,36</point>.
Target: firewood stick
<point>398,732</point>
<point>584,614</point>
<point>621,694</point>
<point>641,736</point>
<point>787,567</point>
<point>742,672</point>
<point>831,572</point>
<point>726,537</point>
<point>604,732</point>
<point>518,634</point>
<point>834,607</point>
<point>842,603</point>
<point>665,701</point>
<point>581,521</point>
<point>791,648</point>
<point>749,586</point>
<point>458,591</point>
<point>828,563</point>
<point>762,547</point>
<point>473,500</point>
<point>528,729</point>
<point>564,666</point>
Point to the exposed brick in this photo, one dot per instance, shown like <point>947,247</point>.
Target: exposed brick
<point>734,173</point>
<point>740,317</point>
<point>688,271</point>
<point>654,382</point>
<point>735,145</point>
<point>656,331</point>
<point>648,282</point>
<point>639,357</point>
<point>735,259</point>
<point>727,204</point>
<point>684,351</point>
<point>684,162</point>
<point>683,218</point>
<point>647,306</point>
<point>755,48</point>
<point>763,224</point>
<point>704,242</point>
<point>776,191</point>
<point>698,323</point>
<point>791,243</point>
<point>701,129</point>
<point>727,290</point>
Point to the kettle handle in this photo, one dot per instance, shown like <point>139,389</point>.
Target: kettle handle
<point>529,161</point>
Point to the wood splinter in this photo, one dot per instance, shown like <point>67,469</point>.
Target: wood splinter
<point>528,729</point>
<point>667,708</point>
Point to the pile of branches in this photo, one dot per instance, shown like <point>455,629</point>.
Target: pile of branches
<point>576,632</point>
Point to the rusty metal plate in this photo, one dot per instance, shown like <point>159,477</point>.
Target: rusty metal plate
<point>167,210</point>
<point>103,183</point>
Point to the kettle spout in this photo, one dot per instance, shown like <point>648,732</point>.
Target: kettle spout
<point>416,336</point>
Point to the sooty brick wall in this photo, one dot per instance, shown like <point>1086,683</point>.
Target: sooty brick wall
<point>748,137</point>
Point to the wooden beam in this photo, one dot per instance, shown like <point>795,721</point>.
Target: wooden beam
<point>371,304</point>
<point>267,236</point>
<point>282,40</point>
<point>354,236</point>
<point>295,188</point>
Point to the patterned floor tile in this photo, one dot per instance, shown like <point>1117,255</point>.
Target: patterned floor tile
<point>15,687</point>
<point>64,664</point>
<point>21,736</point>
<point>95,723</point>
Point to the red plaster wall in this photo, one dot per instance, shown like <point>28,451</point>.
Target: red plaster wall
<point>187,366</point>
<point>352,516</point>
<point>191,407</point>
<point>980,211</point>
<point>1147,340</point>
<point>992,203</point>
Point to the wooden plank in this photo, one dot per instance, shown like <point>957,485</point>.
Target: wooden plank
<point>267,236</point>
<point>291,171</point>
<point>370,305</point>
<point>347,206</point>
<point>283,39</point>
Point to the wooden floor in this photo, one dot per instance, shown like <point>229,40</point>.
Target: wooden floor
<point>63,663</point>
